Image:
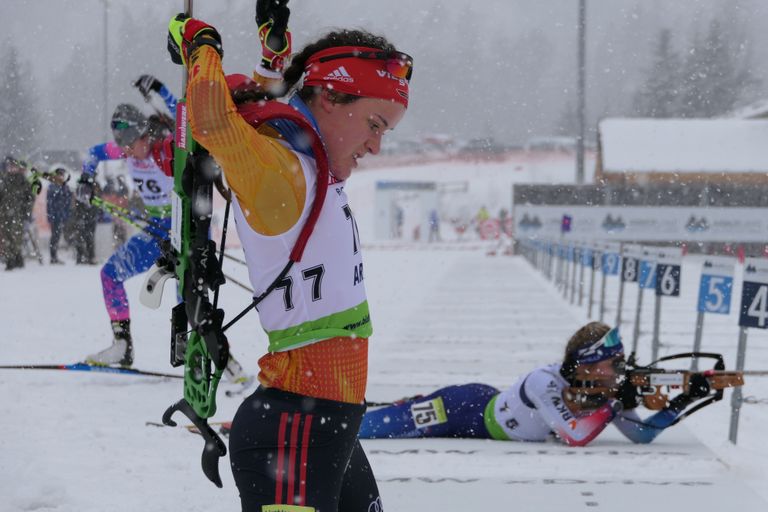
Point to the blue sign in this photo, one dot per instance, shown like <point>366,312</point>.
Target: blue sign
<point>586,256</point>
<point>647,275</point>
<point>571,253</point>
<point>715,294</point>
<point>611,261</point>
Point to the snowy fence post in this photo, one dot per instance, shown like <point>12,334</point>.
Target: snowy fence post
<point>646,279</point>
<point>715,287</point>
<point>629,255</point>
<point>753,312</point>
<point>574,264</point>
<point>585,255</point>
<point>610,267</point>
<point>595,265</point>
<point>667,284</point>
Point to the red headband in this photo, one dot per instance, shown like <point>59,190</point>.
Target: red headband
<point>357,74</point>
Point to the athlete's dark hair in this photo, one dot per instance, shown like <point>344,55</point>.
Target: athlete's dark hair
<point>584,337</point>
<point>159,126</point>
<point>292,74</point>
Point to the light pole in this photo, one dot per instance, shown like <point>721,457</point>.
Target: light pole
<point>581,91</point>
<point>105,107</point>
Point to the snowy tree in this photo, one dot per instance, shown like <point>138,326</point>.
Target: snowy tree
<point>19,116</point>
<point>659,95</point>
<point>716,73</point>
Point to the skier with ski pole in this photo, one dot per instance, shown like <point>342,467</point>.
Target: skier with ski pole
<point>146,145</point>
<point>294,441</point>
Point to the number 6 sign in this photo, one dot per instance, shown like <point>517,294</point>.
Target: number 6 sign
<point>668,272</point>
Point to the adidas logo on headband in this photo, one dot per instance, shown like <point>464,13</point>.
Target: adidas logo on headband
<point>340,74</point>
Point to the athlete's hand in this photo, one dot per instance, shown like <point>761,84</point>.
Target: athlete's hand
<point>628,396</point>
<point>147,83</point>
<point>185,34</point>
<point>36,184</point>
<point>272,20</point>
<point>84,190</point>
<point>698,386</point>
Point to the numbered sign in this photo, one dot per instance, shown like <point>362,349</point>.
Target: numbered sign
<point>754,294</point>
<point>647,277</point>
<point>611,261</point>
<point>586,256</point>
<point>571,253</point>
<point>668,272</point>
<point>716,285</point>
<point>630,263</point>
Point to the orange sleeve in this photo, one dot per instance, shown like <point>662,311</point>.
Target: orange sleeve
<point>266,177</point>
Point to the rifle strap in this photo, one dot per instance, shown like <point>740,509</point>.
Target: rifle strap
<point>256,114</point>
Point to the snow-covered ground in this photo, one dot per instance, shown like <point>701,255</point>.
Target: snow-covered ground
<point>79,442</point>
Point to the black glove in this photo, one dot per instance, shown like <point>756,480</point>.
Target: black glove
<point>147,83</point>
<point>698,386</point>
<point>275,13</point>
<point>185,34</point>
<point>84,190</point>
<point>628,395</point>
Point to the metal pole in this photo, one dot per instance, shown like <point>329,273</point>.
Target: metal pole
<point>736,399</point>
<point>576,258</point>
<point>105,98</point>
<point>697,340</point>
<point>656,325</point>
<point>602,295</point>
<point>581,284</point>
<point>636,332</point>
<point>566,274</point>
<point>591,287</point>
<point>581,91</point>
<point>620,303</point>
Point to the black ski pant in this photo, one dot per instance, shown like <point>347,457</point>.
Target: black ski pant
<point>289,449</point>
<point>57,228</point>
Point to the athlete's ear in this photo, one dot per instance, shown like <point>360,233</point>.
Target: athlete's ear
<point>326,101</point>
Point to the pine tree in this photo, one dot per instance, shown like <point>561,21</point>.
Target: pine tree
<point>659,96</point>
<point>716,73</point>
<point>19,117</point>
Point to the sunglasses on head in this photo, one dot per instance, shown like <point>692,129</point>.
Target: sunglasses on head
<point>398,64</point>
<point>122,125</point>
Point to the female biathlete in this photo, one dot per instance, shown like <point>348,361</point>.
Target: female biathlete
<point>293,443</point>
<point>145,146</point>
<point>540,404</point>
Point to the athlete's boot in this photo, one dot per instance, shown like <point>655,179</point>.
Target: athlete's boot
<point>235,373</point>
<point>121,350</point>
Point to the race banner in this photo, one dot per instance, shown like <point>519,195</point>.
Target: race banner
<point>657,223</point>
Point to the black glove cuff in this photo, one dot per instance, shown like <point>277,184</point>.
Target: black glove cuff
<point>205,39</point>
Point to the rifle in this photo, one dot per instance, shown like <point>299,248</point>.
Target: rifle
<point>654,384</point>
<point>197,337</point>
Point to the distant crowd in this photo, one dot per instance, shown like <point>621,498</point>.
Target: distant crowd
<point>72,224</point>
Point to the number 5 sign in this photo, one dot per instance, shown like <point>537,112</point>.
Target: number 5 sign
<point>754,294</point>
<point>715,286</point>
